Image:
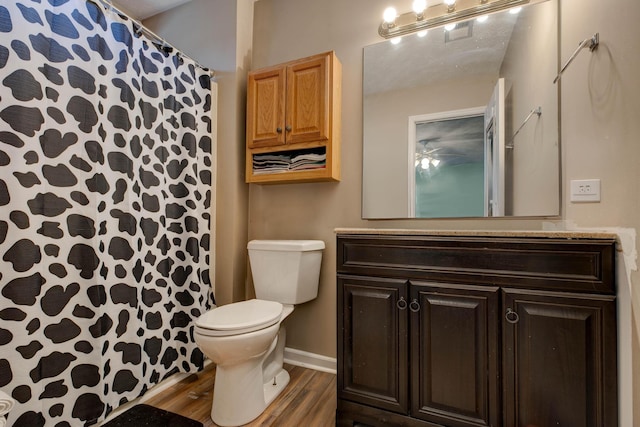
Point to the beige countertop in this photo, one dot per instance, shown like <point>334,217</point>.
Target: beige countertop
<point>557,234</point>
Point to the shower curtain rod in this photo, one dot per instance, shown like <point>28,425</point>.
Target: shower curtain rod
<point>153,36</point>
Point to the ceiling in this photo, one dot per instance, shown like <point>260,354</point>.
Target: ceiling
<point>143,9</point>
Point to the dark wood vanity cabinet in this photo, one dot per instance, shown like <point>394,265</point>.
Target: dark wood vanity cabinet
<point>456,331</point>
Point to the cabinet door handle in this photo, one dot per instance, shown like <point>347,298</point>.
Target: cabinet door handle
<point>288,128</point>
<point>414,306</point>
<point>401,304</point>
<point>279,129</point>
<point>511,316</point>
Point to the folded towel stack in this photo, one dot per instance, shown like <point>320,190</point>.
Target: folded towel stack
<point>270,163</point>
<point>288,162</point>
<point>308,161</point>
<point>6,405</point>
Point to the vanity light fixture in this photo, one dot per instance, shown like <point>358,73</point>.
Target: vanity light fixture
<point>418,8</point>
<point>389,16</point>
<point>451,5</point>
<point>423,17</point>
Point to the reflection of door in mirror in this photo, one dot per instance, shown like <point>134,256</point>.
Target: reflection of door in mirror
<point>494,151</point>
<point>447,164</point>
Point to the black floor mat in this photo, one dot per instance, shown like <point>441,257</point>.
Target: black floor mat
<point>144,415</point>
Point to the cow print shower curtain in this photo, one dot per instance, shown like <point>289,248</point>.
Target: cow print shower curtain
<point>105,189</point>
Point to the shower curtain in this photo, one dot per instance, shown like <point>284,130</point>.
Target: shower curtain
<point>105,192</point>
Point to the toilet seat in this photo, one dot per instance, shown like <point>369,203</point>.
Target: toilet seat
<point>239,318</point>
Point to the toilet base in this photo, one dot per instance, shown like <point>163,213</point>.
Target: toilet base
<point>274,387</point>
<point>231,411</point>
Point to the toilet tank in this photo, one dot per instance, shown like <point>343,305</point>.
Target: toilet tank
<point>286,271</point>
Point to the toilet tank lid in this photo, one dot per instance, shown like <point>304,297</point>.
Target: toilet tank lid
<point>286,245</point>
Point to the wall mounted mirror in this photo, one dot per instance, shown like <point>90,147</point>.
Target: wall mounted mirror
<point>463,122</point>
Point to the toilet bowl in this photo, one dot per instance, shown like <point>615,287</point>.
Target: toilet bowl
<point>246,340</point>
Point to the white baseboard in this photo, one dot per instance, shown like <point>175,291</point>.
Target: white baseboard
<point>314,361</point>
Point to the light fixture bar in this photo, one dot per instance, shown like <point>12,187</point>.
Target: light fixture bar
<point>439,15</point>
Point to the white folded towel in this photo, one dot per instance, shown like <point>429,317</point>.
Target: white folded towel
<point>3,421</point>
<point>6,404</point>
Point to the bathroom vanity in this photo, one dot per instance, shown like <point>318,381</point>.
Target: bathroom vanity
<point>476,329</point>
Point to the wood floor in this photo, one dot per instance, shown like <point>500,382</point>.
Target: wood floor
<point>308,400</point>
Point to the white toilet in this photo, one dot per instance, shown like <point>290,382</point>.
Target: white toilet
<point>245,340</point>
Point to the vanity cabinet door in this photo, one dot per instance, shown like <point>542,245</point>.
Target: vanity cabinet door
<point>454,354</point>
<point>373,342</point>
<point>559,359</point>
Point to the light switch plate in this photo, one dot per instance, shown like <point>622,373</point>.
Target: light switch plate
<point>585,190</point>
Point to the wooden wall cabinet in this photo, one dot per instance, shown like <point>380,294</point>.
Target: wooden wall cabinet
<point>476,331</point>
<point>294,109</point>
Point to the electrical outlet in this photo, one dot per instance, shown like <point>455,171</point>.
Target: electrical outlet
<point>585,190</point>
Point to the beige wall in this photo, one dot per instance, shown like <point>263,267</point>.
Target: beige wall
<point>600,115</point>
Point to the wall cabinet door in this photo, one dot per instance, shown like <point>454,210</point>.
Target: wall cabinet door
<point>266,107</point>
<point>559,359</point>
<point>373,342</point>
<point>308,99</point>
<point>454,354</point>
<point>289,104</point>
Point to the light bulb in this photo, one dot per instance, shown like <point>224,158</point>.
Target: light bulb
<point>449,27</point>
<point>515,10</point>
<point>424,163</point>
<point>482,18</point>
<point>449,2</point>
<point>396,40</point>
<point>389,15</point>
<point>421,33</point>
<point>419,6</point>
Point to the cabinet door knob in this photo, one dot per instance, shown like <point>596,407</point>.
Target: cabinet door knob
<point>414,306</point>
<point>288,128</point>
<point>511,316</point>
<point>279,129</point>
<point>401,304</point>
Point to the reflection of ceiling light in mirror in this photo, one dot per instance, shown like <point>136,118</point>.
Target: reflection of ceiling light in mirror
<point>396,40</point>
<point>389,15</point>
<point>482,18</point>
<point>450,27</point>
<point>426,161</point>
<point>515,10</point>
